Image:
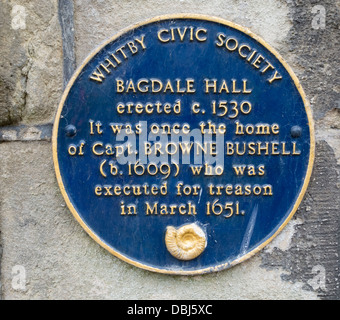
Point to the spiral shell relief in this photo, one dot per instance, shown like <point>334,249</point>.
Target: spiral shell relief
<point>186,242</point>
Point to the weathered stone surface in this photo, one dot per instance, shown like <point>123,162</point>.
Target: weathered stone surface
<point>327,129</point>
<point>31,64</point>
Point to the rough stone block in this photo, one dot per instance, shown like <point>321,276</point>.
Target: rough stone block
<point>31,67</point>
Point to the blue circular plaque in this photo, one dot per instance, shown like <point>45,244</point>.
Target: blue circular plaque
<point>183,145</point>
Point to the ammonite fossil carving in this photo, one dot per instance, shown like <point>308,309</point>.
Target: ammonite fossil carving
<point>186,242</point>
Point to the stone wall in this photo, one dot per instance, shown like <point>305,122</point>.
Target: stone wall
<point>44,252</point>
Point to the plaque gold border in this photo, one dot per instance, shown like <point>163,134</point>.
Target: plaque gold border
<point>294,208</point>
